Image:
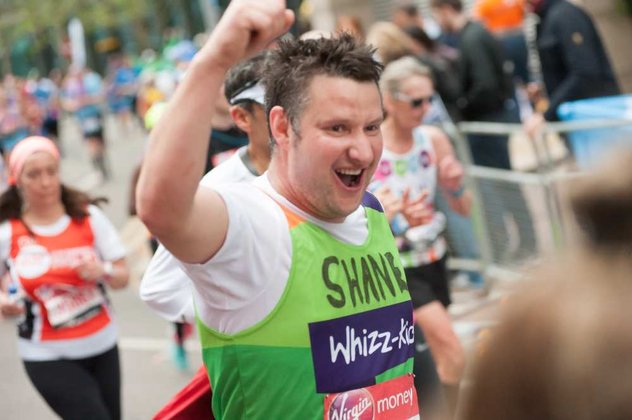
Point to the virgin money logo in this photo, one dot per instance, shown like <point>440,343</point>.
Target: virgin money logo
<point>352,405</point>
<point>32,261</point>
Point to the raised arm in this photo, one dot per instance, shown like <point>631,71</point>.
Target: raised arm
<point>191,222</point>
<point>450,173</point>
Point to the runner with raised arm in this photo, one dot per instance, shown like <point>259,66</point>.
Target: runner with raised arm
<point>300,296</point>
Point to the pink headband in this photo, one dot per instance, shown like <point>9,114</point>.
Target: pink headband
<point>24,149</point>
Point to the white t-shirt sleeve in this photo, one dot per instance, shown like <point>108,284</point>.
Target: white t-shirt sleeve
<point>245,280</point>
<point>166,288</point>
<point>106,239</point>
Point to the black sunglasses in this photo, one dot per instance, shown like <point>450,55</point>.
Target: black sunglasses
<point>414,102</point>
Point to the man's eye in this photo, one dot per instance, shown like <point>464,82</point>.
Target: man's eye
<point>339,128</point>
<point>373,128</point>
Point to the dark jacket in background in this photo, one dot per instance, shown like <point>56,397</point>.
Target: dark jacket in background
<point>574,61</point>
<point>485,84</point>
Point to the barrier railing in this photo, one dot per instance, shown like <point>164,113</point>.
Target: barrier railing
<point>518,216</point>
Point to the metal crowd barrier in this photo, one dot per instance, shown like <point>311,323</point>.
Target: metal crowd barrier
<point>518,216</point>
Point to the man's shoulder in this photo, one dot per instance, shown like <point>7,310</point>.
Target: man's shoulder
<point>563,12</point>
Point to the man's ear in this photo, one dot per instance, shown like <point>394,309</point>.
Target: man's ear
<point>241,118</point>
<point>279,126</point>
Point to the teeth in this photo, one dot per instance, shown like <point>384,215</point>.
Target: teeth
<point>353,172</point>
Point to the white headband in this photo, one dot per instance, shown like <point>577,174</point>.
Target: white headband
<point>254,93</point>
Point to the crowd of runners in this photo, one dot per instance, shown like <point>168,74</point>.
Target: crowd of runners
<point>303,226</point>
<point>35,105</point>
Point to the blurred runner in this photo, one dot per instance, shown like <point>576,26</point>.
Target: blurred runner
<point>165,286</point>
<point>121,88</point>
<point>61,254</point>
<point>417,163</point>
<point>82,95</point>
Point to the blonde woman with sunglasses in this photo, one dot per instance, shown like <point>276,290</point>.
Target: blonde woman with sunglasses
<point>416,162</point>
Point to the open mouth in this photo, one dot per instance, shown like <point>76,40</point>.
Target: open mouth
<point>350,177</point>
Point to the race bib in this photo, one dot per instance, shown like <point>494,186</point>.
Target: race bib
<point>68,306</point>
<point>392,400</point>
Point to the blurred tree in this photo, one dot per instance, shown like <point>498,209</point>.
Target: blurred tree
<point>44,22</point>
<point>39,27</point>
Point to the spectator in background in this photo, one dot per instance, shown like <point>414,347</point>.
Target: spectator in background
<point>393,43</point>
<point>574,61</point>
<point>443,63</point>
<point>351,24</point>
<point>406,14</point>
<point>390,42</point>
<point>563,350</point>
<point>487,96</point>
<point>505,19</point>
<point>432,46</point>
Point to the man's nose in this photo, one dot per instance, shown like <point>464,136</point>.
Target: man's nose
<point>361,150</point>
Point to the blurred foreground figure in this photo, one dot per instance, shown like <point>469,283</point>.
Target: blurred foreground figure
<point>564,349</point>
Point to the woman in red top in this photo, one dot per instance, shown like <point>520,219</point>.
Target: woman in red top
<point>60,254</point>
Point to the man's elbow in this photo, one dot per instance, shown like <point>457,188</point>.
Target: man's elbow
<point>151,210</point>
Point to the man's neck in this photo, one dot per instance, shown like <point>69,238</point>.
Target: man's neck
<point>259,157</point>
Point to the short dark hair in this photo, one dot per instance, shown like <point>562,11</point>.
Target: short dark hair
<point>244,75</point>
<point>291,67</point>
<point>454,4</point>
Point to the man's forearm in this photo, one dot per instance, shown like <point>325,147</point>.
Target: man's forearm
<point>178,145</point>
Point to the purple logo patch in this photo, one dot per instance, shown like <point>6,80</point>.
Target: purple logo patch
<point>349,352</point>
<point>424,159</point>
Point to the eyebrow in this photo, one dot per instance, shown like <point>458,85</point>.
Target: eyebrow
<point>378,120</point>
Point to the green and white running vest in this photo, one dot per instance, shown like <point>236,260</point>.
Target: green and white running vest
<point>343,323</point>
